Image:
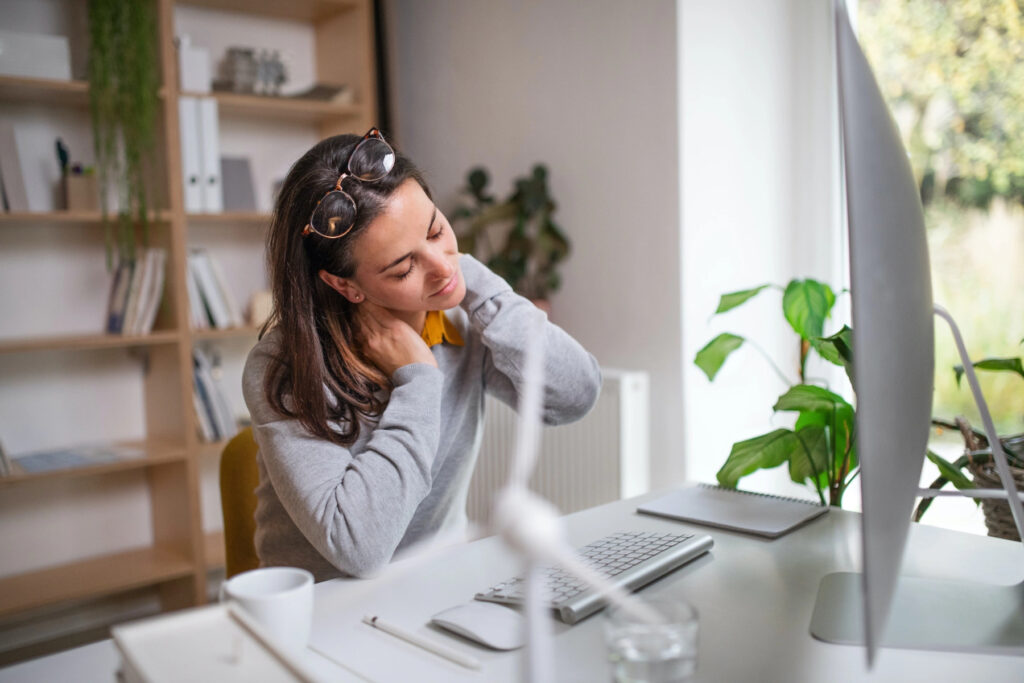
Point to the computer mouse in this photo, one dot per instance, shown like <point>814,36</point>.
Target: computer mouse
<point>487,623</point>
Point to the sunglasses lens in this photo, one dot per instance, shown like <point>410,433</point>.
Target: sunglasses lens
<point>334,215</point>
<point>371,160</point>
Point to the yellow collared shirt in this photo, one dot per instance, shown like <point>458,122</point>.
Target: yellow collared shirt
<point>437,328</point>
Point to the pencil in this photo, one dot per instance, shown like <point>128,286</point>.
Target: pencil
<point>439,649</point>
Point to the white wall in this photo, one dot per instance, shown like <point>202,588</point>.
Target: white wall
<point>589,89</point>
<point>758,182</point>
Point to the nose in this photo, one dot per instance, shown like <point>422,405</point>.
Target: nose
<point>441,265</point>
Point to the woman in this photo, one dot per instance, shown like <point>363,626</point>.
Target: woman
<point>367,386</point>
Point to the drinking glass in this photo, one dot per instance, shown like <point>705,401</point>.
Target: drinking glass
<point>664,651</point>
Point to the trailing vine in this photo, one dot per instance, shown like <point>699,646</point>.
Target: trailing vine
<point>123,83</point>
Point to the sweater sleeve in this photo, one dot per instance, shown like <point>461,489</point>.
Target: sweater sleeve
<point>353,506</point>
<point>572,378</point>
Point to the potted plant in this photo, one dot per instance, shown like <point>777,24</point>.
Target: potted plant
<point>516,237</point>
<point>123,84</point>
<point>820,450</point>
<point>976,468</point>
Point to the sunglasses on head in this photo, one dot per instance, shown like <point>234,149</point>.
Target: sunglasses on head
<point>334,215</point>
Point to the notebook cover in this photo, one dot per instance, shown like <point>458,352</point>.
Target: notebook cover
<point>753,513</point>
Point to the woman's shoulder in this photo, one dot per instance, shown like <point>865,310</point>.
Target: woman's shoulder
<point>265,352</point>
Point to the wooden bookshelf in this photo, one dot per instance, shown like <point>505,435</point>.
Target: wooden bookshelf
<point>281,108</point>
<point>229,333</point>
<point>93,577</point>
<point>176,562</point>
<point>83,218</point>
<point>44,91</point>
<point>230,218</point>
<point>154,453</point>
<point>214,554</point>
<point>85,342</point>
<point>299,10</point>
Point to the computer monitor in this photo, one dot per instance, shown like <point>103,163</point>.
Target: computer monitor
<point>893,345</point>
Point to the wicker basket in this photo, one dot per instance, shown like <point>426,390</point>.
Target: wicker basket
<point>998,517</point>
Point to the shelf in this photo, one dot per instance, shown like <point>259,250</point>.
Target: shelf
<point>282,108</point>
<point>211,449</point>
<point>43,91</point>
<point>230,333</point>
<point>87,342</point>
<point>300,10</point>
<point>213,544</point>
<point>157,453</point>
<point>86,218</point>
<point>230,218</point>
<point>90,578</point>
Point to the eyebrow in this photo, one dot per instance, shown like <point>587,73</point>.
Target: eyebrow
<point>398,260</point>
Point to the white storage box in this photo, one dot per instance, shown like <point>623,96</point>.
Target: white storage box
<point>34,55</point>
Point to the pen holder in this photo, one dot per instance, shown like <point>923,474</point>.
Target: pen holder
<point>81,192</point>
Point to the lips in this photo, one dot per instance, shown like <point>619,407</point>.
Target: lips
<point>449,287</point>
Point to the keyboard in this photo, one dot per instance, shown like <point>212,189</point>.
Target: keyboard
<point>629,559</point>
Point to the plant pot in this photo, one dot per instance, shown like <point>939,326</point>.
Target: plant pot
<point>998,517</point>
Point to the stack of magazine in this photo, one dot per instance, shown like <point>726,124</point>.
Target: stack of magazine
<point>213,412</point>
<point>210,302</point>
<point>135,293</point>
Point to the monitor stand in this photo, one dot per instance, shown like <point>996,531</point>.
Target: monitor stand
<point>927,614</point>
<point>934,614</point>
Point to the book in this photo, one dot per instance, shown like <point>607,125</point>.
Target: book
<point>75,456</point>
<point>118,299</point>
<point>209,290</point>
<point>198,315</point>
<point>212,396</point>
<point>5,462</point>
<point>745,511</point>
<point>15,193</point>
<point>151,303</point>
<point>139,276</point>
<point>236,177</point>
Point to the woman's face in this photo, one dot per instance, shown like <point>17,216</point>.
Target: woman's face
<point>407,260</point>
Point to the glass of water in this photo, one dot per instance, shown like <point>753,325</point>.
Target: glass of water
<point>652,651</point>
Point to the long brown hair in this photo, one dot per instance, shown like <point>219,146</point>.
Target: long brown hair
<point>319,339</point>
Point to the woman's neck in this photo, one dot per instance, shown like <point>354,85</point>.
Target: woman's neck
<point>415,319</point>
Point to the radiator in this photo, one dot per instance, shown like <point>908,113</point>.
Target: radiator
<point>599,459</point>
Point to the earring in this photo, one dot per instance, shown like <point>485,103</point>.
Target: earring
<point>356,298</point>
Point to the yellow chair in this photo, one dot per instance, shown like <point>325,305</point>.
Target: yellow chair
<point>239,477</point>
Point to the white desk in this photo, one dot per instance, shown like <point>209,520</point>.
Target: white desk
<point>755,599</point>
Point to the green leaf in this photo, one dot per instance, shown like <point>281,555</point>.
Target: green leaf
<point>806,304</point>
<point>807,397</point>
<point>950,471</point>
<point>994,364</point>
<point>710,358</point>
<point>762,452</point>
<point>802,470</point>
<point>837,349</point>
<point>734,299</point>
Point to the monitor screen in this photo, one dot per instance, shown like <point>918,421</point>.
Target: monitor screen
<point>893,329</point>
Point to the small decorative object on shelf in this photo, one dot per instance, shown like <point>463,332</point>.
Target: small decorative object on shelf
<point>252,71</point>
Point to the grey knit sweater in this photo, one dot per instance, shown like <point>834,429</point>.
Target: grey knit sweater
<point>346,511</point>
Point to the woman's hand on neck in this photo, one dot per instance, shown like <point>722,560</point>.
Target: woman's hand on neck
<point>392,338</point>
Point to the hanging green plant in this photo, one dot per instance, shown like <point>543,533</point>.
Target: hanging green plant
<point>123,101</point>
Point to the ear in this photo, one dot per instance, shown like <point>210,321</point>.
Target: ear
<point>343,286</point>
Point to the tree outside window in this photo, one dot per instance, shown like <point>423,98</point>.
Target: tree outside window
<point>953,74</point>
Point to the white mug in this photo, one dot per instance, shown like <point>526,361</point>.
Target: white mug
<point>279,598</point>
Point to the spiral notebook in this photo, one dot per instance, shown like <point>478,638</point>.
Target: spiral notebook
<point>754,513</point>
